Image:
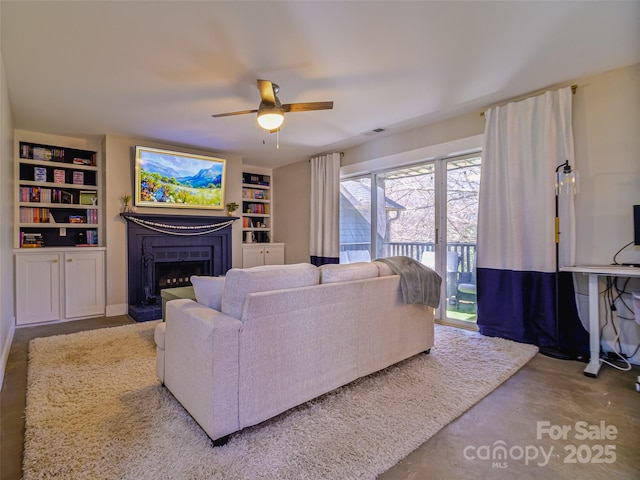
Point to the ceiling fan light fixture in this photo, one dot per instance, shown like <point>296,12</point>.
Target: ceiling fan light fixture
<point>270,118</point>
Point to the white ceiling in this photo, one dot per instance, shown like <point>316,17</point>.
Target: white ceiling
<point>159,69</point>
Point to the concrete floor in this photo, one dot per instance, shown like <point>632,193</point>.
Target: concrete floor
<point>605,410</point>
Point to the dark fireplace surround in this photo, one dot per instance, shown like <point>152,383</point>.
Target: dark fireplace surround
<point>165,250</point>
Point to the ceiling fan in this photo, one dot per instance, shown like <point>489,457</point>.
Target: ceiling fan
<point>271,111</point>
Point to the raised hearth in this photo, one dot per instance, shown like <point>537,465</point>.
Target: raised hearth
<point>165,250</point>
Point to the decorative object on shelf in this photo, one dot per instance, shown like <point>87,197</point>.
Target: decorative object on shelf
<point>125,198</point>
<point>88,198</point>
<point>232,207</point>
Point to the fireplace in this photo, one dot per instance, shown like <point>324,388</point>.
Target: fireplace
<point>165,250</point>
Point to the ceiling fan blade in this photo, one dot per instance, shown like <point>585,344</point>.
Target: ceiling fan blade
<point>307,107</point>
<point>267,93</point>
<point>233,113</point>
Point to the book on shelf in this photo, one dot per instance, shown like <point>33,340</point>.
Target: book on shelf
<point>81,161</point>
<point>257,208</point>
<point>59,176</point>
<point>250,193</point>
<point>255,179</point>
<point>92,216</point>
<point>42,153</point>
<point>30,194</point>
<point>78,178</point>
<point>40,174</point>
<point>39,195</point>
<point>34,215</point>
<point>87,238</point>
<point>31,240</point>
<point>77,219</point>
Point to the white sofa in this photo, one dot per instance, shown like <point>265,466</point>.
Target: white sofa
<point>283,335</point>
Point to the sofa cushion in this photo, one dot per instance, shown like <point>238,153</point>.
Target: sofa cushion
<point>208,290</point>
<point>240,282</point>
<point>332,273</point>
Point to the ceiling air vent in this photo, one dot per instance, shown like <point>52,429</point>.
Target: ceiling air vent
<point>375,131</point>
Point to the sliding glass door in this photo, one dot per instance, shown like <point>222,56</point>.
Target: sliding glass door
<point>462,184</point>
<point>426,211</point>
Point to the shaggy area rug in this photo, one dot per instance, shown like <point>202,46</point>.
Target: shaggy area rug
<point>95,410</point>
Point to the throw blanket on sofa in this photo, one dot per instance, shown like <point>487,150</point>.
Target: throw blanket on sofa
<point>419,283</point>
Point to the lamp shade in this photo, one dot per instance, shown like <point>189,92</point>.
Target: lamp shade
<point>567,183</point>
<point>270,118</point>
<point>567,180</point>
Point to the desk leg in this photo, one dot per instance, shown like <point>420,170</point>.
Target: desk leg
<point>594,328</point>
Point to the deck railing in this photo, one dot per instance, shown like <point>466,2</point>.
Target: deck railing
<point>466,251</point>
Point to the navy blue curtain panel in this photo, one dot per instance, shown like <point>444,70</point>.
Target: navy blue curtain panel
<point>517,305</point>
<point>318,261</point>
<point>521,306</point>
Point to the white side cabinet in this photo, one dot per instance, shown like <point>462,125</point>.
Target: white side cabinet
<point>59,285</point>
<point>38,287</point>
<point>84,284</point>
<point>256,254</point>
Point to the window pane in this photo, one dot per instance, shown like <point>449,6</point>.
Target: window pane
<point>355,220</point>
<point>407,204</point>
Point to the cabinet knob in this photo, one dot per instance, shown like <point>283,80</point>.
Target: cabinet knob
<point>69,259</point>
<point>55,261</point>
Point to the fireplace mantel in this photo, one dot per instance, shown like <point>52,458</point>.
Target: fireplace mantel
<point>146,232</point>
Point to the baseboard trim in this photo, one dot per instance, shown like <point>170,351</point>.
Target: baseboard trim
<point>6,348</point>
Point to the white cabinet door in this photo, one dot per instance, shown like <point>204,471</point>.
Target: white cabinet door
<point>274,254</point>
<point>38,278</point>
<point>252,255</point>
<point>84,284</point>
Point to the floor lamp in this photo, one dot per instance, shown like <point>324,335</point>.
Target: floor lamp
<point>566,184</point>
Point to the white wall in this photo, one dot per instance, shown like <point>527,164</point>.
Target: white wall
<point>606,126</point>
<point>7,323</point>
<point>119,179</point>
<point>291,210</point>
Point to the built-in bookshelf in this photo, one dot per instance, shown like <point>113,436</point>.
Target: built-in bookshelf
<point>57,192</point>
<point>256,207</point>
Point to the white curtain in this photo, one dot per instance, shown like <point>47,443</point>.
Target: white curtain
<point>524,144</point>
<point>324,239</point>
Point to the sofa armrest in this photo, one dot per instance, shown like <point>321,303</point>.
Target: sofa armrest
<point>201,364</point>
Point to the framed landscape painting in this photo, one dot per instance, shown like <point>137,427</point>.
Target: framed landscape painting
<point>178,180</point>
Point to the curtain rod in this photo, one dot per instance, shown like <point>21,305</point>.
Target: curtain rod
<point>539,92</point>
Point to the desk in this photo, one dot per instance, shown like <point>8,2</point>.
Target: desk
<point>595,271</point>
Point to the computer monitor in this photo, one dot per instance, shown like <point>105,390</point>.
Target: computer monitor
<point>636,224</point>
